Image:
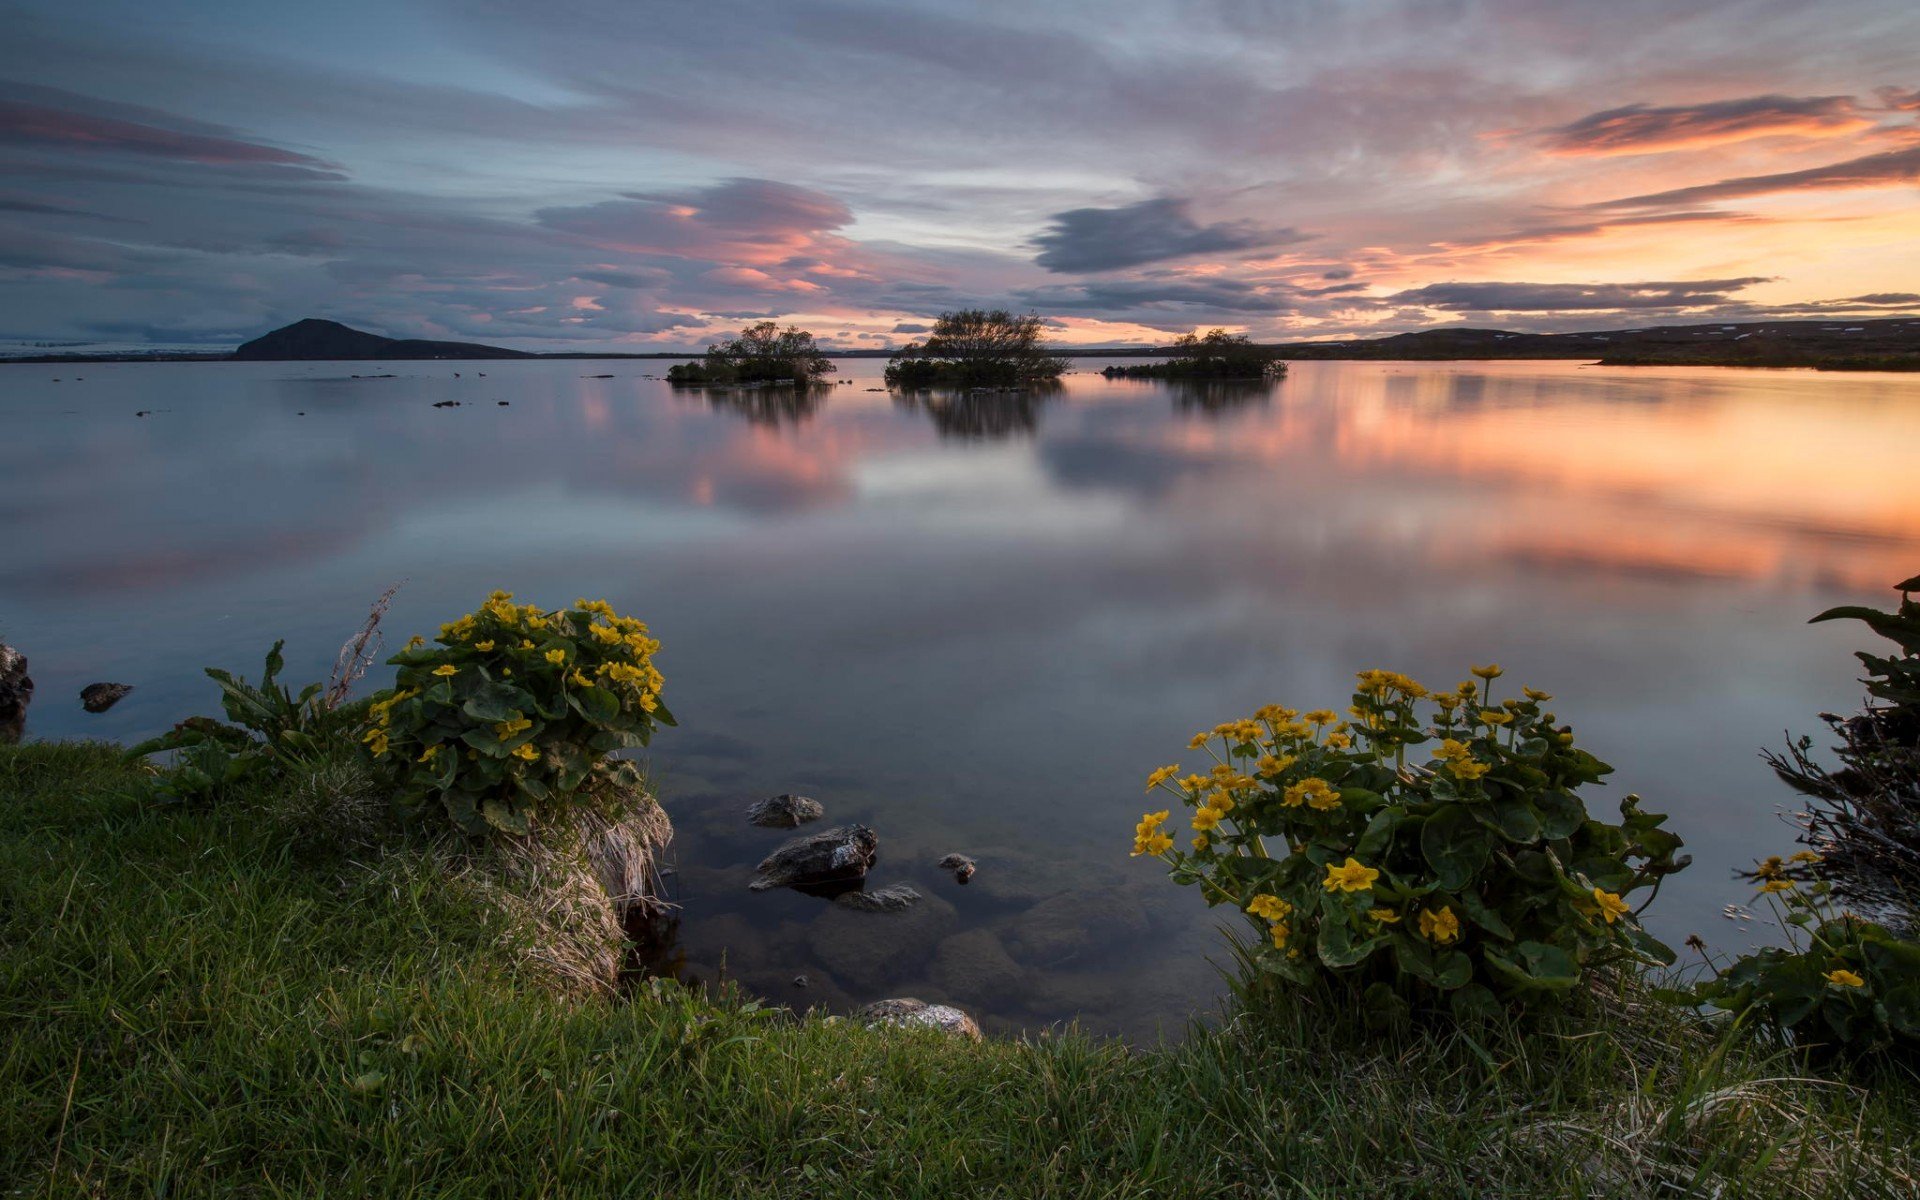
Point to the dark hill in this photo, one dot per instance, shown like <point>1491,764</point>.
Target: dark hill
<point>314,339</point>
<point>1875,344</point>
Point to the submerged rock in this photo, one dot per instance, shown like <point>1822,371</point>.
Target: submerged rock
<point>869,951</point>
<point>99,697</point>
<point>961,866</point>
<point>909,1013</point>
<point>1073,923</point>
<point>785,811</point>
<point>16,692</point>
<point>974,966</point>
<point>896,897</point>
<point>840,855</point>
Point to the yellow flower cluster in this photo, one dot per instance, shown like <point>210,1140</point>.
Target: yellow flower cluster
<point>1442,927</point>
<point>1316,793</point>
<point>1148,837</point>
<point>1459,760</point>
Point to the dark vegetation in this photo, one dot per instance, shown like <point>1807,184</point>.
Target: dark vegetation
<point>1216,354</point>
<point>977,348</point>
<point>314,340</point>
<point>1877,345</point>
<point>763,353</point>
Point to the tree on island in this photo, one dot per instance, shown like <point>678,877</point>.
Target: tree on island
<point>975,347</point>
<point>1216,354</point>
<point>763,353</point>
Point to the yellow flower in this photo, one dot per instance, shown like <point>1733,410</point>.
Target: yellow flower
<point>415,642</point>
<point>1441,927</point>
<point>485,646</point>
<point>1385,916</point>
<point>526,643</point>
<point>1147,836</point>
<point>1490,717</point>
<point>1349,876</point>
<point>556,656</point>
<point>1805,856</point>
<point>1317,792</point>
<point>1771,867</point>
<point>1610,906</point>
<point>1845,978</point>
<point>1468,770</point>
<point>605,633</point>
<point>429,754</point>
<point>1198,740</point>
<point>526,752</point>
<point>1280,933</point>
<point>1205,819</point>
<point>376,742</point>
<point>1200,841</point>
<point>1776,885</point>
<point>1490,672</point>
<point>1321,716</point>
<point>1312,792</point>
<point>1193,783</point>
<point>1161,775</point>
<point>1452,750</point>
<point>446,669</point>
<point>1273,764</point>
<point>1338,741</point>
<point>579,680</point>
<point>506,729</point>
<point>1536,695</point>
<point>1220,801</point>
<point>1269,906</point>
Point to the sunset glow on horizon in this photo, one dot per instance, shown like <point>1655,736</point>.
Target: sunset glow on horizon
<point>589,175</point>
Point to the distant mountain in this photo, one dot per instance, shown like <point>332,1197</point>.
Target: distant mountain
<point>316,340</point>
<point>1884,344</point>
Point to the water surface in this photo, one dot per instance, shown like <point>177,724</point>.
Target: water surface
<point>975,624</point>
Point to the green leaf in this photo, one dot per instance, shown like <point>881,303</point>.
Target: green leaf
<point>504,816</point>
<point>1560,812</point>
<point>1535,966</point>
<point>1337,948</point>
<point>1455,846</point>
<point>1516,819</point>
<point>495,701</point>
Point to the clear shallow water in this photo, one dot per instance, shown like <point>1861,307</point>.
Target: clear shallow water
<point>976,627</point>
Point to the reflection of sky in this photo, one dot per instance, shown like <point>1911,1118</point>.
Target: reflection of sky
<point>984,642</point>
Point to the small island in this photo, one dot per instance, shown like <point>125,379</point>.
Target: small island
<point>1215,354</point>
<point>762,354</point>
<point>976,347</point>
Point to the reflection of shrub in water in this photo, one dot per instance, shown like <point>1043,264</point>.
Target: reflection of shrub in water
<point>771,406</point>
<point>981,414</point>
<point>1216,397</point>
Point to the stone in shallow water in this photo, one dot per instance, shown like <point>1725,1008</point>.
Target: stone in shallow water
<point>893,898</point>
<point>869,951</point>
<point>974,966</point>
<point>1073,923</point>
<point>961,866</point>
<point>785,811</point>
<point>16,693</point>
<point>909,1013</point>
<point>840,855</point>
<point>99,697</point>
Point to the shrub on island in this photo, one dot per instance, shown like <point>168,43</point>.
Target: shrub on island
<point>977,348</point>
<point>763,353</point>
<point>1476,877</point>
<point>1216,354</point>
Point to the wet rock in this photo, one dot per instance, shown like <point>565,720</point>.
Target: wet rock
<point>801,981</point>
<point>909,1013</point>
<point>99,697</point>
<point>961,866</point>
<point>785,811</point>
<point>840,855</point>
<point>16,693</point>
<point>446,404</point>
<point>868,951</point>
<point>1073,923</point>
<point>896,897</point>
<point>1012,878</point>
<point>975,967</point>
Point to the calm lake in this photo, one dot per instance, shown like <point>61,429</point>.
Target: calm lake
<point>976,626</point>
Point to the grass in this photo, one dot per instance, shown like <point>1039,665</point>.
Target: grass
<point>239,1001</point>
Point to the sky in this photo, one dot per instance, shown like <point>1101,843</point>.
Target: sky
<point>630,176</point>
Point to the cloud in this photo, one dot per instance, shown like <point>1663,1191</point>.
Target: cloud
<point>912,327</point>
<point>1887,169</point>
<point>1646,129</point>
<point>1107,239</point>
<point>39,126</point>
<point>1125,296</point>
<point>747,223</point>
<point>1888,299</point>
<point>1573,297</point>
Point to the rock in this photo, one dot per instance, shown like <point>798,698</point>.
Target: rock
<point>909,1013</point>
<point>446,404</point>
<point>893,898</point>
<point>99,697</point>
<point>801,981</point>
<point>1024,880</point>
<point>16,693</point>
<point>840,855</point>
<point>961,866</point>
<point>785,811</point>
<point>1072,923</point>
<point>868,951</point>
<point>975,967</point>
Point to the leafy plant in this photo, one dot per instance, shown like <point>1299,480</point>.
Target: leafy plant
<point>1864,818</point>
<point>268,728</point>
<point>1476,876</point>
<point>516,711</point>
<point>1843,983</point>
<point>763,353</point>
<point>1215,354</point>
<point>974,347</point>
